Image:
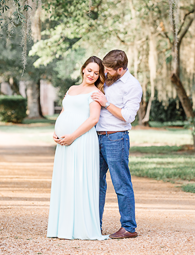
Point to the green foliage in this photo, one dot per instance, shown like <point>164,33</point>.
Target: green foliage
<point>172,112</point>
<point>11,65</point>
<point>55,45</point>
<point>64,85</point>
<point>189,187</point>
<point>88,22</point>
<point>12,108</point>
<point>158,112</point>
<point>68,71</point>
<point>17,16</point>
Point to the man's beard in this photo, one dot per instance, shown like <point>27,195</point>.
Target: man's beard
<point>110,79</point>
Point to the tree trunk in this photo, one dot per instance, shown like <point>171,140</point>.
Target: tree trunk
<point>140,116</point>
<point>14,85</point>
<point>142,112</point>
<point>33,103</point>
<point>185,101</point>
<point>152,61</point>
<point>175,78</point>
<point>147,116</point>
<point>1,93</point>
<point>39,98</point>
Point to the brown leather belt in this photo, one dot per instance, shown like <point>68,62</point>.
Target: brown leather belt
<point>109,132</point>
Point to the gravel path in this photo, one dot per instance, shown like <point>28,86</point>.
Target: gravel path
<point>165,215</point>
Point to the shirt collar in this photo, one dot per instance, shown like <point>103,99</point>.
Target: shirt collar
<point>125,76</point>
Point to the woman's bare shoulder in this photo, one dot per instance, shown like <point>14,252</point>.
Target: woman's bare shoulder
<point>94,89</point>
<point>73,87</point>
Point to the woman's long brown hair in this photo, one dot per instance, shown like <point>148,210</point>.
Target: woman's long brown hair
<point>101,79</point>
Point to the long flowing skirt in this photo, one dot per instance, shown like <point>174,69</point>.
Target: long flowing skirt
<point>74,202</point>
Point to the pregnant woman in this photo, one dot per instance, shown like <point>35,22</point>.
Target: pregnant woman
<point>74,203</point>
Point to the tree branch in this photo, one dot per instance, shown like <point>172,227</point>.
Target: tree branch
<point>166,35</point>
<point>173,21</point>
<point>122,41</point>
<point>186,15</point>
<point>185,30</point>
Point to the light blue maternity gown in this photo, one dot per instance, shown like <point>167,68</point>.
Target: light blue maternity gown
<point>74,202</point>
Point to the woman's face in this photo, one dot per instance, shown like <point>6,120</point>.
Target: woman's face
<point>91,73</point>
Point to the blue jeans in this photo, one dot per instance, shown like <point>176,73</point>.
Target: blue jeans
<point>114,154</point>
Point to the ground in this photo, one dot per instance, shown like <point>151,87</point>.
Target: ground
<point>165,214</point>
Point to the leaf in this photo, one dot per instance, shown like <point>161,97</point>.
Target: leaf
<point>26,7</point>
<point>21,15</point>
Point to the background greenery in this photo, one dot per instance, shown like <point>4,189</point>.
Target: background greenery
<point>12,108</point>
<point>58,36</point>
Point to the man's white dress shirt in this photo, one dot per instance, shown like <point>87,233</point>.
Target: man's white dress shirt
<point>126,94</point>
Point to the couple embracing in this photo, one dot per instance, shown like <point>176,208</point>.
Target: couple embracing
<point>91,134</point>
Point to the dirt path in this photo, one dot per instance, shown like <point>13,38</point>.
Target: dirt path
<point>165,215</point>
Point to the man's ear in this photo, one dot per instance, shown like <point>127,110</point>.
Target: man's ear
<point>120,70</point>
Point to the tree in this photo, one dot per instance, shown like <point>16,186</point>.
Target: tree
<point>11,70</point>
<point>178,36</point>
<point>142,28</point>
<point>23,14</point>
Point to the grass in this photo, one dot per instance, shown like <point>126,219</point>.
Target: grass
<point>155,149</point>
<point>25,129</point>
<point>189,187</point>
<point>29,133</point>
<point>164,167</point>
<point>160,137</point>
<point>47,119</point>
<point>177,123</point>
<point>163,162</point>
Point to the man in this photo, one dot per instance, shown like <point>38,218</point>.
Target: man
<point>119,107</point>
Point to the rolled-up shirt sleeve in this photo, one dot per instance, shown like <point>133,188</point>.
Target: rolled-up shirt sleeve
<point>131,100</point>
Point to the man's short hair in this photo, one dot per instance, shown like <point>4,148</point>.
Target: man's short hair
<point>116,59</point>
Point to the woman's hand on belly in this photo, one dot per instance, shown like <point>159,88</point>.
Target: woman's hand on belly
<point>67,140</point>
<point>55,138</point>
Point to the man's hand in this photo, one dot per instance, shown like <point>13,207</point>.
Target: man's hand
<point>100,98</point>
<point>67,140</point>
<point>55,138</point>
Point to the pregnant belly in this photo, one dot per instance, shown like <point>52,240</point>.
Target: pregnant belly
<point>66,123</point>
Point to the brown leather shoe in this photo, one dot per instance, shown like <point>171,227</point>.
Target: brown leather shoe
<point>122,233</point>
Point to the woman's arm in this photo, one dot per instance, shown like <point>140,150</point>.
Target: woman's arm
<point>86,126</point>
<point>55,137</point>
